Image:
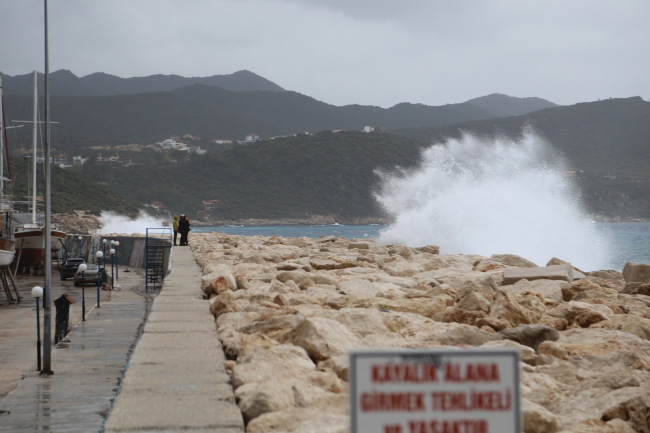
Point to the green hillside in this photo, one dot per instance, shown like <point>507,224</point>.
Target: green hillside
<point>327,173</point>
<point>71,191</point>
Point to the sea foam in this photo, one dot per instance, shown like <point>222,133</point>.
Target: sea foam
<point>477,196</point>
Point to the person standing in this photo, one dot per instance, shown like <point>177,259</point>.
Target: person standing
<point>182,229</point>
<point>187,228</point>
<point>175,228</point>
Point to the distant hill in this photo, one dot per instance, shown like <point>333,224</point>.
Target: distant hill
<point>605,138</point>
<point>65,83</point>
<point>504,105</point>
<point>216,113</point>
<point>323,174</point>
<point>72,191</point>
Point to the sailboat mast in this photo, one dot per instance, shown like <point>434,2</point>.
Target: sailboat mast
<point>47,256</point>
<point>2,162</point>
<point>34,140</point>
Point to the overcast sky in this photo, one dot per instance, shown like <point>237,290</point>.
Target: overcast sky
<point>370,52</point>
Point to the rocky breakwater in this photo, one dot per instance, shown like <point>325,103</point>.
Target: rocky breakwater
<point>289,309</point>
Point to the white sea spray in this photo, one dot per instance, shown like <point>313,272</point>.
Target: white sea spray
<point>115,223</point>
<point>477,196</point>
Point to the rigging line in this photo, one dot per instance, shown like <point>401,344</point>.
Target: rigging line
<point>6,143</point>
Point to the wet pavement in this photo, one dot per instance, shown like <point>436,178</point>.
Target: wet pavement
<point>88,364</point>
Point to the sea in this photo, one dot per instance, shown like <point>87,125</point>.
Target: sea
<point>627,242</point>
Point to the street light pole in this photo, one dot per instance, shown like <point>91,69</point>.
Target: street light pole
<point>80,238</point>
<point>82,268</point>
<point>117,260</point>
<point>99,256</point>
<point>37,292</point>
<point>112,251</point>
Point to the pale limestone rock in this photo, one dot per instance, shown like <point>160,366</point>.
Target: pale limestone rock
<point>340,365</point>
<point>264,363</point>
<point>329,415</point>
<point>235,320</point>
<point>236,344</point>
<point>636,272</point>
<point>512,260</point>
<point>275,327</point>
<point>555,272</point>
<point>323,338</point>
<point>360,288</point>
<point>594,425</point>
<point>581,313</point>
<point>362,321</point>
<point>402,268</point>
<point>465,335</point>
<point>422,306</point>
<point>218,280</point>
<point>628,323</point>
<point>526,354</point>
<point>536,419</point>
<point>550,289</point>
<point>474,301</point>
<point>504,306</point>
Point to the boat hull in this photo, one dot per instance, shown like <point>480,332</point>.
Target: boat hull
<point>7,252</point>
<point>31,246</point>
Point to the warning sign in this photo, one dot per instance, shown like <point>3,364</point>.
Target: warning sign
<point>464,391</point>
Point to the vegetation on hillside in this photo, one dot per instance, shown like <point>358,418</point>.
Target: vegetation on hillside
<point>71,191</point>
<point>324,174</point>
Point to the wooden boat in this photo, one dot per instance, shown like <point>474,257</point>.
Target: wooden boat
<point>7,241</point>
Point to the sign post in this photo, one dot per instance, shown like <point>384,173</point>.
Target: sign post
<point>412,391</point>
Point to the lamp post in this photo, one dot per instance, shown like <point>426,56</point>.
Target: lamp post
<point>112,251</point>
<point>80,238</point>
<point>104,246</point>
<point>117,260</point>
<point>99,256</point>
<point>82,268</point>
<point>37,292</point>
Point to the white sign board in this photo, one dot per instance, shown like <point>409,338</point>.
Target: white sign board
<point>412,391</point>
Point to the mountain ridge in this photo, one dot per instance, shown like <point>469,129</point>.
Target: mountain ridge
<point>504,106</point>
<point>65,83</point>
<point>217,113</point>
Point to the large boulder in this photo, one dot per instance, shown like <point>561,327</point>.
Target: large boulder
<point>556,272</point>
<point>636,272</point>
<point>323,338</point>
<point>627,323</point>
<point>536,419</point>
<point>466,335</point>
<point>582,313</point>
<point>504,306</point>
<point>264,363</point>
<point>329,415</point>
<point>218,280</point>
<point>362,321</point>
<point>512,260</point>
<point>531,335</point>
<point>550,289</point>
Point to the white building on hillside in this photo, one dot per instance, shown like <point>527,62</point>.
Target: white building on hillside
<point>368,129</point>
<point>252,138</point>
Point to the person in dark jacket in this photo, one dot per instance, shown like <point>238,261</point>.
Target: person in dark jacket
<point>183,229</point>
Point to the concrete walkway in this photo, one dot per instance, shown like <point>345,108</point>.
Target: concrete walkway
<point>176,379</point>
<point>88,366</point>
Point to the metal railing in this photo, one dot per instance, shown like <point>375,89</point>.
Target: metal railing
<point>158,243</point>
